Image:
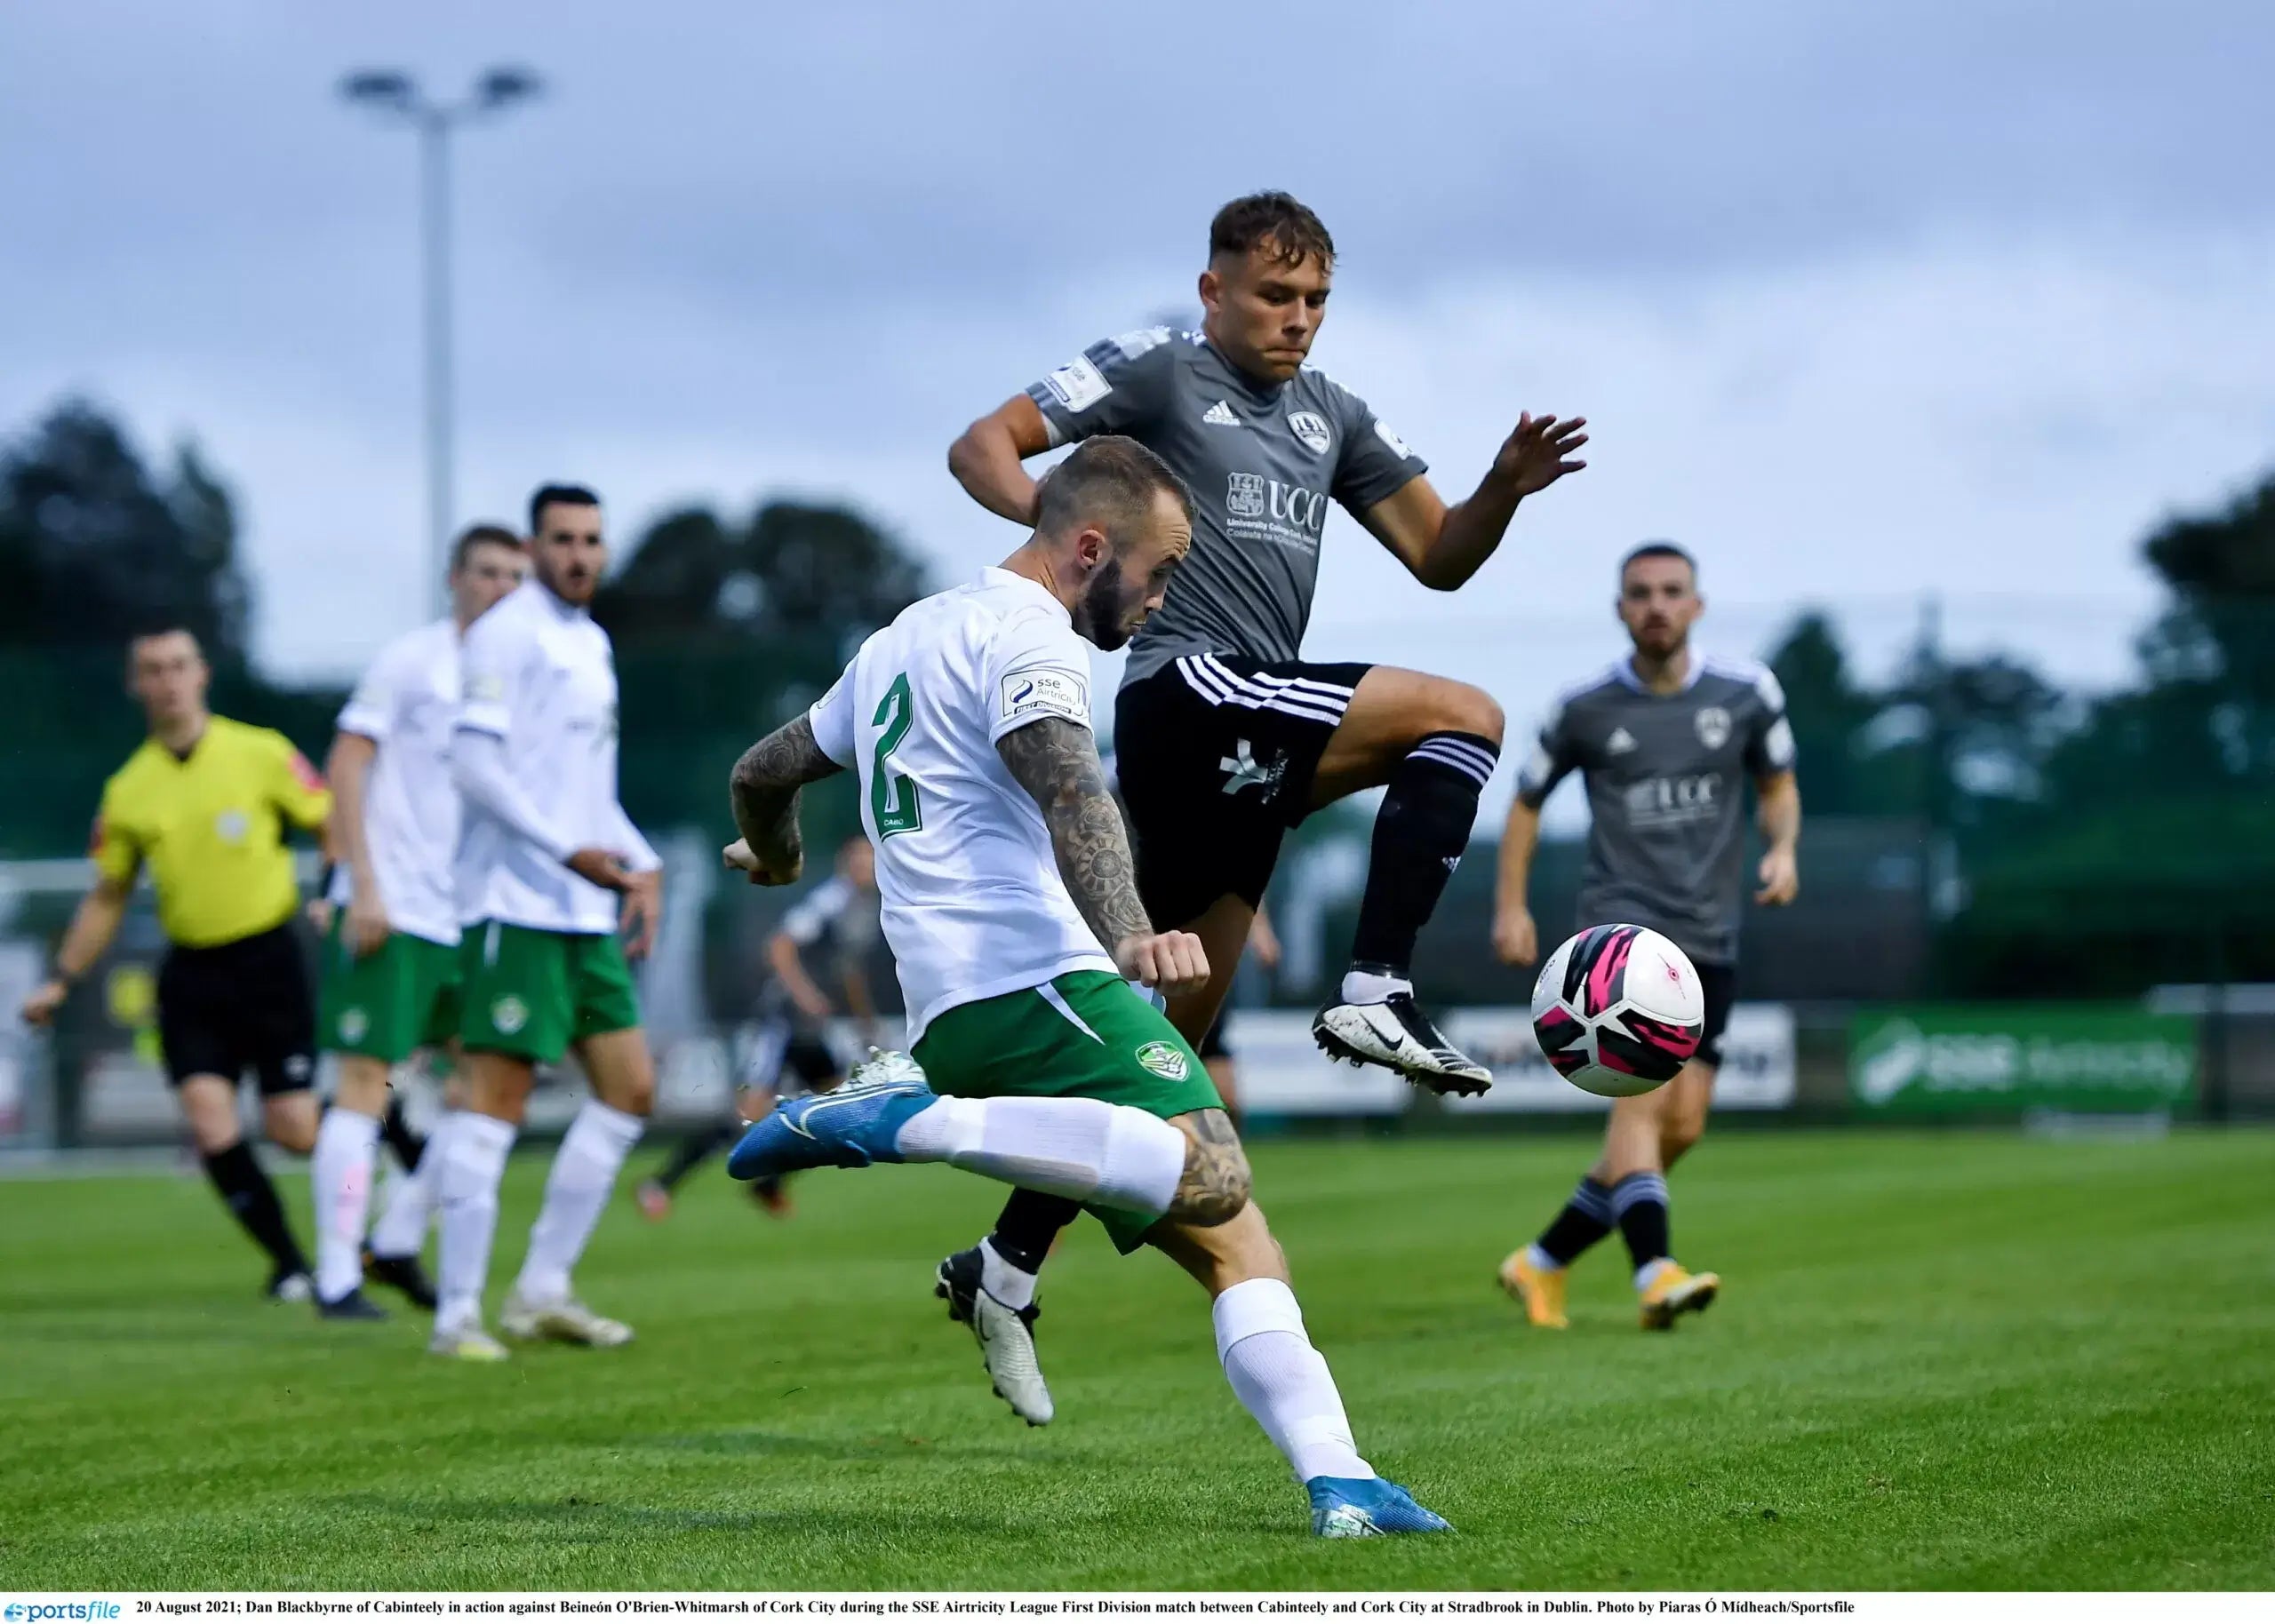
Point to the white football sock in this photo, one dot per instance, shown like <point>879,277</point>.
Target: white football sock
<point>1281,1378</point>
<point>466,1189</point>
<point>1540,1259</point>
<point>402,1229</point>
<point>1648,1275</point>
<point>1367,987</point>
<point>339,1177</point>
<point>575,1191</point>
<point>1115,1155</point>
<point>1007,1283</point>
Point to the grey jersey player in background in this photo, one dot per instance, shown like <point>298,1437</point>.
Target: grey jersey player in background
<point>816,962</point>
<point>1225,738</point>
<point>1665,742</point>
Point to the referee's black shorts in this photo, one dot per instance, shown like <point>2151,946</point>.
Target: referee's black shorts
<point>244,1006</point>
<point>1216,755</point>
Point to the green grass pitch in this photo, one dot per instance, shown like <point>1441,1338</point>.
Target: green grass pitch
<point>1967,1361</point>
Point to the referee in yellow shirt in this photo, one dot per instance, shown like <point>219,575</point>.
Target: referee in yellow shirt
<point>205,804</point>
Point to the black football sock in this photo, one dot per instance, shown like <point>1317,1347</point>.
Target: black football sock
<point>246,1191</point>
<point>1640,1203</point>
<point>695,1150</point>
<point>1585,1220</point>
<point>408,1147</point>
<point>1029,1223</point>
<point>1419,837</point>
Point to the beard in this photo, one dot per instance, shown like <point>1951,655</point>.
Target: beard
<point>1099,618</point>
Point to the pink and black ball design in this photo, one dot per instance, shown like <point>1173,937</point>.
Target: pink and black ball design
<point>1618,1009</point>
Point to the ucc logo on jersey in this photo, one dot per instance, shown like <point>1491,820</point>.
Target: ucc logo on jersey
<point>1662,801</point>
<point>1312,429</point>
<point>1252,496</point>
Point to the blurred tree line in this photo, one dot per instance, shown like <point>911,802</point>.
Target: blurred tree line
<point>2082,844</point>
<point>2065,843</point>
<point>722,628</point>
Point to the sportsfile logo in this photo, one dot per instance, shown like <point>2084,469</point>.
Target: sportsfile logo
<point>34,1612</point>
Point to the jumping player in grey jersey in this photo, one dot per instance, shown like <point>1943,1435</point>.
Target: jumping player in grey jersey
<point>1226,738</point>
<point>1665,741</point>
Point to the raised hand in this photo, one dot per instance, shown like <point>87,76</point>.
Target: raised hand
<point>1539,452</point>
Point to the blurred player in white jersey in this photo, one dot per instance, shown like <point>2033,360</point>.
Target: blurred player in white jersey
<point>550,871</point>
<point>390,977</point>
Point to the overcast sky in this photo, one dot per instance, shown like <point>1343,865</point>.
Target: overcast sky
<point>1861,301</point>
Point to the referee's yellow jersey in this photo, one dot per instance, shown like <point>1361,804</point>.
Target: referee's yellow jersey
<point>212,828</point>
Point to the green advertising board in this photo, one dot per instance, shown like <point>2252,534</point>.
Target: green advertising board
<point>1943,1060</point>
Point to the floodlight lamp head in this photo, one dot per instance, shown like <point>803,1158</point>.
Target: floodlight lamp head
<point>386,90</point>
<point>501,87</point>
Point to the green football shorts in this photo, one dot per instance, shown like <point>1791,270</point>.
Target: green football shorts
<point>531,993</point>
<point>403,996</point>
<point>1085,1035</point>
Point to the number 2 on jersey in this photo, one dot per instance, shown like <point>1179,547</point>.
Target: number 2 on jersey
<point>893,800</point>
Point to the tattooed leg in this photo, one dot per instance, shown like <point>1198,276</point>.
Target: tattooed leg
<point>1215,1185</point>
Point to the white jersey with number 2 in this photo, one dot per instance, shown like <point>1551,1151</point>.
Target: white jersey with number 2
<point>973,903</point>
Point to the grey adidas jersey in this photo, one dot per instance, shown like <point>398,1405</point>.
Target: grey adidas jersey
<point>1263,460</point>
<point>1665,777</point>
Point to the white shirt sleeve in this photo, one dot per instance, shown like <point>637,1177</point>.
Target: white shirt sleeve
<point>369,711</point>
<point>1036,668</point>
<point>478,768</point>
<point>490,663</point>
<point>831,721</point>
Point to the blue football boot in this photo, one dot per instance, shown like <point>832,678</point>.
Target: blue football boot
<point>851,1126</point>
<point>1363,1507</point>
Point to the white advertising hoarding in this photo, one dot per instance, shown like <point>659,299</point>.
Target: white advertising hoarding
<point>1283,1073</point>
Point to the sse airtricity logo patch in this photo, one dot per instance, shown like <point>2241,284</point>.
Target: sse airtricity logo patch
<point>509,1015</point>
<point>1164,1059</point>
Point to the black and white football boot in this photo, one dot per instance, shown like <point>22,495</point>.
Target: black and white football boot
<point>1005,1335</point>
<point>1392,1032</point>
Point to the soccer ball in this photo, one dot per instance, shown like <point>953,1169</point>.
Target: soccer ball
<point>1618,1009</point>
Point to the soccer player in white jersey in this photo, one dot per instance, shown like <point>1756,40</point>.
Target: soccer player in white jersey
<point>391,953</point>
<point>546,855</point>
<point>1010,905</point>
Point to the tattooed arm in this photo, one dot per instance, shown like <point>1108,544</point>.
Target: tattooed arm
<point>1057,762</point>
<point>764,788</point>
